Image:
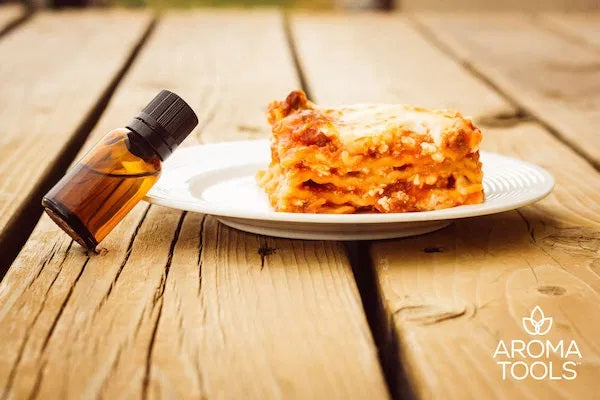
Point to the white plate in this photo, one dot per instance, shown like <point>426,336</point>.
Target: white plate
<point>218,179</point>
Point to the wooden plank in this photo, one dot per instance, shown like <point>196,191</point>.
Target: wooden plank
<point>582,26</point>
<point>178,305</point>
<point>497,6</point>
<point>453,307</point>
<point>52,81</point>
<point>447,298</point>
<point>9,15</point>
<point>547,74</point>
<point>398,79</point>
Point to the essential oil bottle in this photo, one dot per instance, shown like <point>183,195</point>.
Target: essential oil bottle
<point>98,191</point>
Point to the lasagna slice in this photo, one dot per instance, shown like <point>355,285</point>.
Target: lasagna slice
<point>369,158</point>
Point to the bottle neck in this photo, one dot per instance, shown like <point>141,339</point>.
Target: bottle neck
<point>148,129</point>
<point>140,147</point>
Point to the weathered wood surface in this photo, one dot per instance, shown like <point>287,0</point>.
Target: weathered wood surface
<point>181,306</point>
<point>448,297</point>
<point>579,26</point>
<point>178,305</point>
<point>547,74</point>
<point>9,14</point>
<point>497,6</point>
<point>330,70</point>
<point>450,308</point>
<point>55,70</point>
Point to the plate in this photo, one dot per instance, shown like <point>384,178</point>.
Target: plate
<point>218,179</point>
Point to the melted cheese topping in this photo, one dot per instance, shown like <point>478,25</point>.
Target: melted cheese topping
<point>368,120</point>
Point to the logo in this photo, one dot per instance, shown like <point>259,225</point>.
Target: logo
<point>537,324</point>
<point>536,358</point>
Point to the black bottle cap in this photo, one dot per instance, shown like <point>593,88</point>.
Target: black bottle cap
<point>164,123</point>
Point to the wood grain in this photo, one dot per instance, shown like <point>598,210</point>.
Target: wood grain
<point>580,26</point>
<point>447,298</point>
<point>547,74</point>
<point>497,6</point>
<point>398,79</point>
<point>52,80</point>
<point>9,14</point>
<point>179,305</point>
<point>450,307</point>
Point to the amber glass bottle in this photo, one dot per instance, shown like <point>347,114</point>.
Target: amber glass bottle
<point>98,191</point>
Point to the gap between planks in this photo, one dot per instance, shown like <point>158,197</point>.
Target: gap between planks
<point>580,28</point>
<point>11,16</point>
<point>397,377</point>
<point>289,35</point>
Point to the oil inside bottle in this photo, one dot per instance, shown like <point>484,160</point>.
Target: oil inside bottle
<point>102,188</point>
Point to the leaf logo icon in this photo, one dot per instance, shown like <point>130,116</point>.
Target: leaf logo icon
<point>537,324</point>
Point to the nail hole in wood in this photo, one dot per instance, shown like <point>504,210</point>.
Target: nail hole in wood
<point>265,251</point>
<point>503,119</point>
<point>552,290</point>
<point>249,128</point>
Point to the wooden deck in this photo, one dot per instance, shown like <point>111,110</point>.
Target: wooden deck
<point>179,306</point>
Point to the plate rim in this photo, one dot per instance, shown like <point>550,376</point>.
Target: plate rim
<point>464,211</point>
